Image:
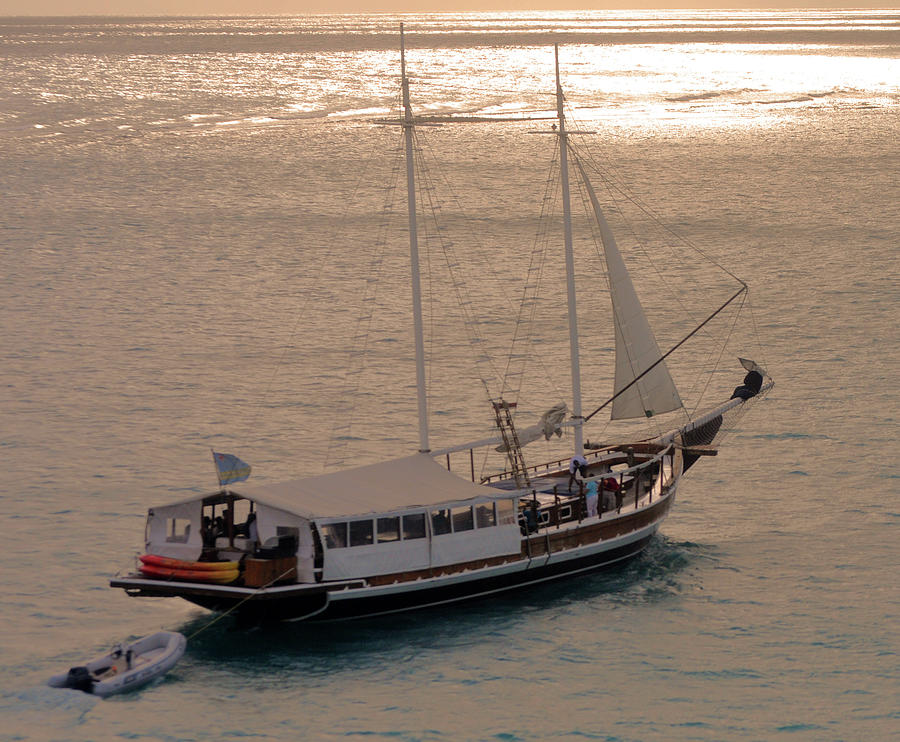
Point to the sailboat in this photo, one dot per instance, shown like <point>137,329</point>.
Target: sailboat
<point>410,533</point>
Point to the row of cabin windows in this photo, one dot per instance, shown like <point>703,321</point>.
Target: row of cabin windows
<point>395,528</point>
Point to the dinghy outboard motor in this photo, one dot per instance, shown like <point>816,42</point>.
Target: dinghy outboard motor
<point>80,678</point>
<point>750,388</point>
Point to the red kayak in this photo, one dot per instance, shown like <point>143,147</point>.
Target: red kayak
<point>220,576</point>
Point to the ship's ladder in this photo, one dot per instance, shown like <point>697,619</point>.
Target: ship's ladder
<point>504,419</point>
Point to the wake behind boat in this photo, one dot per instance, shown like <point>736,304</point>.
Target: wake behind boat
<point>411,532</point>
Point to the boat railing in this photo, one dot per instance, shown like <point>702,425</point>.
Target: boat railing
<point>546,467</point>
<point>537,516</point>
<point>665,439</point>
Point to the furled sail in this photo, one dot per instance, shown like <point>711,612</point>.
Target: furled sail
<point>636,347</point>
<point>548,425</point>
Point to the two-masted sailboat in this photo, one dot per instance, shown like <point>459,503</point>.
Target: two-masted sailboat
<point>410,533</point>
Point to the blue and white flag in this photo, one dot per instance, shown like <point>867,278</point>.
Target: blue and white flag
<point>230,468</point>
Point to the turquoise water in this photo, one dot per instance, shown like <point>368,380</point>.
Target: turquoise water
<point>184,236</point>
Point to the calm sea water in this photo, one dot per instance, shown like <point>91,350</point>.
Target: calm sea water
<point>185,237</point>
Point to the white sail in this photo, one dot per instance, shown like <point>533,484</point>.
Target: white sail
<point>636,347</point>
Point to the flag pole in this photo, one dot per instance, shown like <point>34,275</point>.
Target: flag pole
<point>216,467</point>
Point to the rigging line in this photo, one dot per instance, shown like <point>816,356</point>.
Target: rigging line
<point>500,282</point>
<point>737,314</point>
<point>613,182</point>
<point>639,203</point>
<point>535,265</point>
<point>468,89</point>
<point>527,309</point>
<point>667,353</point>
<point>612,187</point>
<point>343,421</point>
<point>240,603</point>
<point>458,282</point>
<point>526,339</point>
<point>584,188</point>
<point>426,193</point>
<point>756,330</point>
<point>502,285</point>
<point>423,189</point>
<point>717,351</point>
<point>252,419</point>
<point>542,245</point>
<point>623,351</point>
<point>342,425</point>
<point>534,279</point>
<point>427,242</point>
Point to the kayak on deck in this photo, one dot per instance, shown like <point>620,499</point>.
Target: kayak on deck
<point>168,562</point>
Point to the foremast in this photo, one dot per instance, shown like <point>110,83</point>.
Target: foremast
<point>574,361</point>
<point>408,124</point>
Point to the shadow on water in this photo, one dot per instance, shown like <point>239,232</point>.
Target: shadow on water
<point>657,574</point>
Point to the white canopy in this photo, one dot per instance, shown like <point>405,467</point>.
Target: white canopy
<point>413,481</point>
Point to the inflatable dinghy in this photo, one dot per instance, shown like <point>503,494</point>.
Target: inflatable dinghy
<point>125,667</point>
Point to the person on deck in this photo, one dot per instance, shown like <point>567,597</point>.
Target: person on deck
<point>611,491</point>
<point>578,465</point>
<point>207,532</point>
<point>591,498</point>
<point>750,388</point>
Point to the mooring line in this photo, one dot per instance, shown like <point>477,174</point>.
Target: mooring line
<point>238,605</point>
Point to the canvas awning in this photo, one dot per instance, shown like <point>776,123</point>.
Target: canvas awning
<point>412,481</point>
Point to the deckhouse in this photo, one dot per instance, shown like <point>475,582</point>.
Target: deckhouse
<point>386,518</point>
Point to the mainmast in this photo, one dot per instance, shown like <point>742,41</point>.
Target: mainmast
<point>408,125</point>
<point>570,266</point>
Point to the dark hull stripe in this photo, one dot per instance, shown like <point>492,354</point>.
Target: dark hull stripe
<point>320,608</point>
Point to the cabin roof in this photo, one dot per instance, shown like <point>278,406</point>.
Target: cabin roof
<point>412,481</point>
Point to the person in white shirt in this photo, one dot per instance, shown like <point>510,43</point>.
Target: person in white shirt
<point>578,465</point>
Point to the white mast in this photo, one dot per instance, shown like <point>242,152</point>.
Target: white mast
<point>408,124</point>
<point>570,266</point>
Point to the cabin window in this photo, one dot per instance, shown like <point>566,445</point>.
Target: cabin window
<point>388,529</point>
<point>484,515</point>
<point>506,512</point>
<point>565,512</point>
<point>178,530</point>
<point>335,535</point>
<point>413,526</point>
<point>361,533</point>
<point>462,519</point>
<point>440,522</point>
